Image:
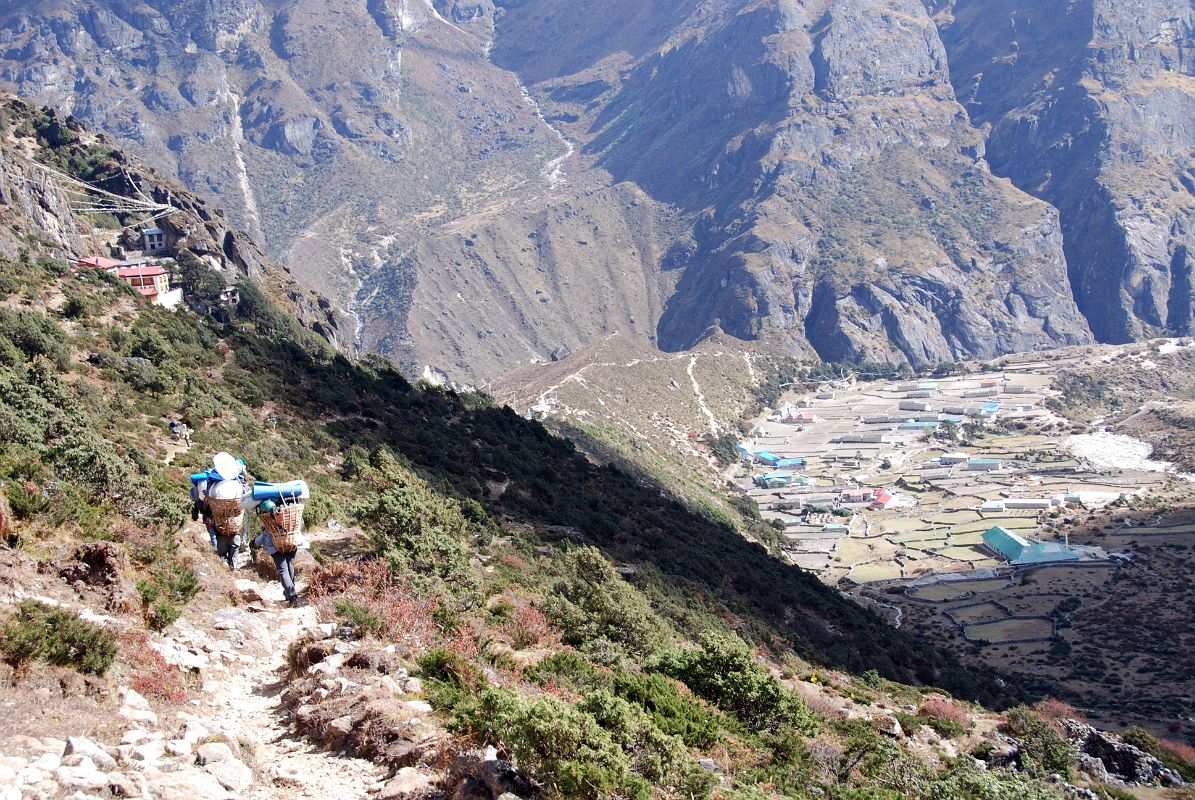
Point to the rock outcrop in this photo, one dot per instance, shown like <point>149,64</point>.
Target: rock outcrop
<point>1090,106</point>
<point>1101,751</point>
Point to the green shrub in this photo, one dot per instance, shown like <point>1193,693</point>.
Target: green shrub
<point>171,584</point>
<point>602,749</point>
<point>1167,753</point>
<point>34,335</point>
<point>41,632</point>
<point>451,680</point>
<point>675,713</point>
<point>563,668</point>
<point>1044,750</point>
<point>424,535</point>
<point>724,671</point>
<point>963,782</point>
<point>600,613</point>
<point>357,617</point>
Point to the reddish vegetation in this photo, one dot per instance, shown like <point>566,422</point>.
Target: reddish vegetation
<point>943,709</point>
<point>1180,750</point>
<point>1052,709</point>
<point>152,675</point>
<point>406,618</point>
<point>527,626</point>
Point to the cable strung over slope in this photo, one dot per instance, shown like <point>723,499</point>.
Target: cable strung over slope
<point>86,198</point>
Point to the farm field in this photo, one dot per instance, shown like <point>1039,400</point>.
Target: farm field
<point>951,590</point>
<point>1014,629</point>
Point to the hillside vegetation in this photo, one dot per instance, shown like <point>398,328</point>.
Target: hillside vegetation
<point>599,687</point>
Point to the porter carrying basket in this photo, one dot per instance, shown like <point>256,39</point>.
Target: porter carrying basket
<point>283,525</point>
<point>227,515</point>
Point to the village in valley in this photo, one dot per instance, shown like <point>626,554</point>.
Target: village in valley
<point>946,487</point>
<point>965,508</point>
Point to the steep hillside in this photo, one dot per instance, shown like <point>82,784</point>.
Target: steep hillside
<point>1089,106</point>
<point>800,175</point>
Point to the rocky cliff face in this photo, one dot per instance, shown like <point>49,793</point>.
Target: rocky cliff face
<point>36,194</point>
<point>1090,106</point>
<point>485,184</point>
<point>839,198</point>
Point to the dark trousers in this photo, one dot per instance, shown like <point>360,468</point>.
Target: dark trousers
<point>226,548</point>
<point>285,562</point>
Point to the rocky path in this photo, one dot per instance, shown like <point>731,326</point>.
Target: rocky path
<point>248,704</point>
<point>231,739</point>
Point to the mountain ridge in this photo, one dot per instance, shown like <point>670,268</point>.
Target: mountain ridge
<point>821,188</point>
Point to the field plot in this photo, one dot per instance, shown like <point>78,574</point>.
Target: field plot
<point>952,590</point>
<point>1067,580</point>
<point>1034,605</point>
<point>1010,630</point>
<point>964,553</point>
<point>875,571</point>
<point>977,613</point>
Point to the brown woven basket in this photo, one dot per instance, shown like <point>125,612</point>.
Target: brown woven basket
<point>227,515</point>
<point>284,525</point>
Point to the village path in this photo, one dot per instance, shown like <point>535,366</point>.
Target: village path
<point>247,706</point>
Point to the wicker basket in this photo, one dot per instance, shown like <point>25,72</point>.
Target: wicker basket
<point>284,525</point>
<point>227,515</point>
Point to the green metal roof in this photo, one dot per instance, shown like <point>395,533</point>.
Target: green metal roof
<point>1005,542</point>
<point>1019,550</point>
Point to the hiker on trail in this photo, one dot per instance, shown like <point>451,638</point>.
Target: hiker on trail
<point>218,495</point>
<point>281,538</point>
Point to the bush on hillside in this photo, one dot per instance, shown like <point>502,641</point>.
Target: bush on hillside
<point>675,712</point>
<point>32,334</point>
<point>1175,755</point>
<point>423,535</point>
<point>603,748</point>
<point>724,671</point>
<point>1044,750</point>
<point>38,632</point>
<point>601,614</point>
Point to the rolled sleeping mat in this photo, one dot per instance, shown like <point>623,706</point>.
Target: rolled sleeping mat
<point>288,492</point>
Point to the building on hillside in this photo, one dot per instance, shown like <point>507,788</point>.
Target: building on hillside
<point>153,282</point>
<point>953,458</point>
<point>857,495</point>
<point>860,438</point>
<point>982,392</point>
<point>779,462</point>
<point>992,506</point>
<point>1019,551</point>
<point>153,241</point>
<point>1035,503</point>
<point>919,426</point>
<point>1016,388</point>
<point>914,405</point>
<point>100,263</point>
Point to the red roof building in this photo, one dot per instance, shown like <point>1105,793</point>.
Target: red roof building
<point>149,280</point>
<point>883,500</point>
<point>100,262</point>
